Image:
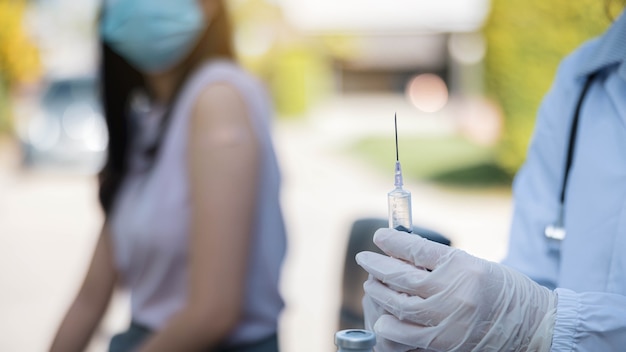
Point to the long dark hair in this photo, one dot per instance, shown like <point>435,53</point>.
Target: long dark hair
<point>118,82</point>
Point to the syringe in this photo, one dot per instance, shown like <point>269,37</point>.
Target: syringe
<point>400,216</point>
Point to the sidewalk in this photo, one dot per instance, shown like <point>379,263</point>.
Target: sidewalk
<point>48,225</point>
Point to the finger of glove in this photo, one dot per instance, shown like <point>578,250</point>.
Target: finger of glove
<point>397,274</point>
<point>395,335</point>
<point>384,345</point>
<point>371,312</point>
<point>420,338</point>
<point>414,249</point>
<point>405,307</point>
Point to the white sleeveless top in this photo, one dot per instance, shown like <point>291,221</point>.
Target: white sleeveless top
<point>150,219</point>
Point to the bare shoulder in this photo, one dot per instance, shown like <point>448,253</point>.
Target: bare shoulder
<point>219,100</point>
<point>221,118</point>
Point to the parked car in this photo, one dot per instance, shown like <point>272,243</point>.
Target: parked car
<point>65,127</point>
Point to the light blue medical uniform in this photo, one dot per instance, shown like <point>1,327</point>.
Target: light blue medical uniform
<point>587,268</point>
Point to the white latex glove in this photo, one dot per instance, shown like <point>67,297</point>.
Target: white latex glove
<point>437,298</point>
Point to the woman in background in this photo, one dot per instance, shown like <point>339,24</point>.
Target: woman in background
<point>193,226</point>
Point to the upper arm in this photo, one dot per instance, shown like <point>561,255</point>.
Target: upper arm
<point>223,163</point>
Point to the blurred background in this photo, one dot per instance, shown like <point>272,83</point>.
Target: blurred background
<point>465,78</point>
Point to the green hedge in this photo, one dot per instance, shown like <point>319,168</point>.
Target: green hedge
<point>526,41</point>
<point>299,76</point>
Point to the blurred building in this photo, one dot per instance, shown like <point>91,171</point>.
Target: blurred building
<point>383,46</point>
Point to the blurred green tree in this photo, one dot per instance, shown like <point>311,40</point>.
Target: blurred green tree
<point>293,64</point>
<point>19,59</point>
<point>526,41</point>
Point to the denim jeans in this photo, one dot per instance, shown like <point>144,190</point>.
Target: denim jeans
<point>136,334</point>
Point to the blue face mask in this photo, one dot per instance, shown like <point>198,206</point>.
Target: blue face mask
<point>152,35</point>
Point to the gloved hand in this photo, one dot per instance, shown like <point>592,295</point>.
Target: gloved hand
<point>428,296</point>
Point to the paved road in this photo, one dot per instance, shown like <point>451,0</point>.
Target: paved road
<point>48,224</point>
<point>49,221</point>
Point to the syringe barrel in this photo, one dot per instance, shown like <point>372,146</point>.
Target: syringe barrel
<point>400,215</point>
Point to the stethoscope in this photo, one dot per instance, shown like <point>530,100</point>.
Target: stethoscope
<point>556,231</point>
